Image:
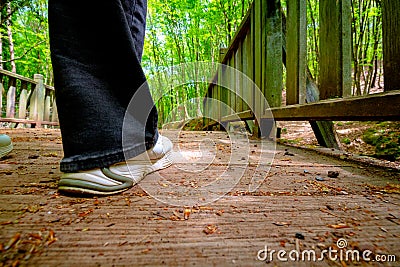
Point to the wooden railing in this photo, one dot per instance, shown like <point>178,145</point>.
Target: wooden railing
<point>266,41</point>
<point>27,101</point>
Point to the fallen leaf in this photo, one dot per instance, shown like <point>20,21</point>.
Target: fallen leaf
<point>186,213</point>
<point>210,229</point>
<point>338,226</point>
<point>85,213</point>
<point>12,241</point>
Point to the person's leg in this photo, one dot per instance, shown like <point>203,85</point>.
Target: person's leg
<point>96,48</point>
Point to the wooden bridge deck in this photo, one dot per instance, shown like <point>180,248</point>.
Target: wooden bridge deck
<point>39,227</point>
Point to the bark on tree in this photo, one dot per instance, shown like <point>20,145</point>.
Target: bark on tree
<point>10,39</point>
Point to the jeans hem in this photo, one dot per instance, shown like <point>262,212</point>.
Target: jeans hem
<point>105,160</point>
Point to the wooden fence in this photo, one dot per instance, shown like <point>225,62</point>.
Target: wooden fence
<point>266,41</point>
<point>35,104</point>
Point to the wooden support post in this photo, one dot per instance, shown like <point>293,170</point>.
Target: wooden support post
<point>239,78</point>
<point>37,100</point>
<point>272,47</point>
<point>23,100</point>
<point>11,94</point>
<point>323,130</point>
<point>271,60</point>
<point>296,53</point>
<point>335,48</point>
<point>247,60</point>
<point>257,54</point>
<point>222,96</point>
<point>54,114</point>
<point>232,84</point>
<point>47,105</point>
<point>391,43</point>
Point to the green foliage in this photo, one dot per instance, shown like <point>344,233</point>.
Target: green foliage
<point>346,141</point>
<point>182,32</point>
<point>30,34</point>
<point>386,142</point>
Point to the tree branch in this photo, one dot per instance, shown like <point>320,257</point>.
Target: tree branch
<point>24,54</point>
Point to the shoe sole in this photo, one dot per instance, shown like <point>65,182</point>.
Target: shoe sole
<point>122,183</point>
<point>5,150</point>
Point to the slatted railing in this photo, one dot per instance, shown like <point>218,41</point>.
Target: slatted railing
<point>267,40</point>
<point>27,101</point>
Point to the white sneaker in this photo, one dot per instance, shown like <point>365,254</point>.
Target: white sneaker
<point>121,176</point>
<point>6,145</point>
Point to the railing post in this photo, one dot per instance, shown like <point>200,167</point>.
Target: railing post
<point>37,100</point>
<point>391,44</point>
<point>335,48</point>
<point>23,98</point>
<point>54,114</point>
<point>47,104</point>
<point>296,52</point>
<point>10,111</point>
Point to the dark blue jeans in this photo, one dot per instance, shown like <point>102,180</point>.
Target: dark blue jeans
<point>96,49</point>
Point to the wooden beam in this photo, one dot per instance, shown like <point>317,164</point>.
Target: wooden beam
<point>296,52</point>
<point>381,107</point>
<point>244,115</point>
<point>17,76</point>
<point>391,43</point>
<point>375,107</point>
<point>24,121</point>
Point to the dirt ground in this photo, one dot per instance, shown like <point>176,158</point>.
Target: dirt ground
<point>298,207</point>
<point>350,135</point>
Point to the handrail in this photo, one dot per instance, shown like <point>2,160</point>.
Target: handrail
<point>28,101</point>
<point>265,41</point>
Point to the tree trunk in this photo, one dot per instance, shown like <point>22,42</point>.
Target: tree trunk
<point>10,39</point>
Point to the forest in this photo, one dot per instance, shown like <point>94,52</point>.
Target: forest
<point>188,31</point>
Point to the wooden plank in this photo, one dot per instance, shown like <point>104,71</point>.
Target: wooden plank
<point>23,100</point>
<point>244,115</point>
<point>252,62</point>
<point>296,52</point>
<point>343,109</point>
<point>335,48</point>
<point>94,231</point>
<point>233,84</point>
<point>17,76</point>
<point>11,96</point>
<point>54,114</point>
<point>247,59</point>
<point>391,43</point>
<point>258,67</point>
<point>371,107</point>
<point>239,77</point>
<point>38,99</point>
<point>47,105</point>
<point>272,67</point>
<point>27,121</point>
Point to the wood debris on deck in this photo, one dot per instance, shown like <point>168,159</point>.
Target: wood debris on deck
<point>297,207</point>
